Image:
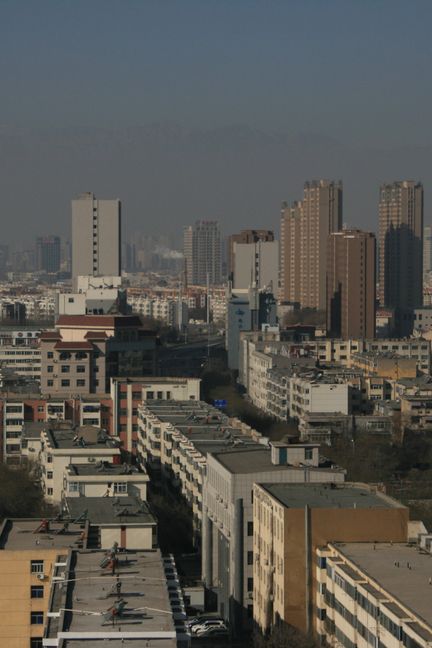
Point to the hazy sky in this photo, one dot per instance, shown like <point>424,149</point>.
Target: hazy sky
<point>190,109</point>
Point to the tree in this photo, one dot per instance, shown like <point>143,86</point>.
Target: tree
<point>20,493</point>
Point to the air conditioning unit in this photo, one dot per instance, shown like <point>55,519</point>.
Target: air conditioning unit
<point>41,577</point>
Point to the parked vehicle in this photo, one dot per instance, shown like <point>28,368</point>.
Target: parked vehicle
<point>202,628</point>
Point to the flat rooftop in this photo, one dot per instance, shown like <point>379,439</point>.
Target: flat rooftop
<point>144,588</point>
<point>104,468</point>
<point>119,643</point>
<point>80,436</point>
<point>329,496</point>
<point>19,534</point>
<point>257,458</point>
<point>109,510</point>
<point>408,585</point>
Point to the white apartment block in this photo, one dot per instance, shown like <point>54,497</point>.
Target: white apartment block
<point>374,594</point>
<point>104,479</point>
<point>313,396</point>
<point>96,237</point>
<point>22,360</point>
<point>63,446</point>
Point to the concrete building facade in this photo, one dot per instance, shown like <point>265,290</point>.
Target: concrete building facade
<point>304,237</point>
<point>96,236</point>
<point>291,522</point>
<point>401,248</point>
<point>351,284</point>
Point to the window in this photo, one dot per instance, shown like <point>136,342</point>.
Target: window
<point>250,529</point>
<point>65,368</point>
<point>120,487</point>
<point>49,459</point>
<point>80,383</point>
<point>36,591</point>
<point>74,487</point>
<point>50,354</point>
<point>160,395</point>
<point>49,491</point>
<point>36,566</point>
<point>80,368</point>
<point>321,562</point>
<point>250,557</point>
<point>40,408</point>
<point>36,642</point>
<point>250,584</point>
<point>65,383</point>
<point>50,383</point>
<point>149,395</point>
<point>308,454</point>
<point>65,355</point>
<point>36,618</point>
<point>49,474</point>
<point>50,368</point>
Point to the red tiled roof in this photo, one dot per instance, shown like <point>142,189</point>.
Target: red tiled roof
<point>50,335</point>
<point>102,321</point>
<point>95,335</point>
<point>73,345</point>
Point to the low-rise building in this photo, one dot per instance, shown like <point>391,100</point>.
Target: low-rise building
<point>176,440</point>
<point>126,521</point>
<point>291,522</point>
<point>128,393</point>
<point>373,594</point>
<point>384,365</point>
<point>105,479</point>
<point>64,444</point>
<point>31,551</point>
<point>320,394</point>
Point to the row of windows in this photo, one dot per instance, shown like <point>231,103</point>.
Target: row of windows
<point>67,383</point>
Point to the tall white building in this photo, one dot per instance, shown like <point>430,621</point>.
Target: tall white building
<point>96,236</point>
<point>256,263</point>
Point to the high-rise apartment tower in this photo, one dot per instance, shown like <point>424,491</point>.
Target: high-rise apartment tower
<point>48,253</point>
<point>401,246</point>
<point>96,237</point>
<point>351,284</point>
<point>202,253</point>
<point>305,227</point>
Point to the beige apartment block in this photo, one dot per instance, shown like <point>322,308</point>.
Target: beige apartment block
<point>305,228</point>
<point>291,521</point>
<point>64,444</point>
<point>373,594</point>
<point>28,561</point>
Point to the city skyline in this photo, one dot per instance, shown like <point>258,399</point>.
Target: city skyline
<point>164,117</point>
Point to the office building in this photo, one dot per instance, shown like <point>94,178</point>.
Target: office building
<point>48,253</point>
<point>245,237</point>
<point>305,227</point>
<point>292,521</point>
<point>401,248</point>
<point>351,284</point>
<point>96,237</point>
<point>202,253</point>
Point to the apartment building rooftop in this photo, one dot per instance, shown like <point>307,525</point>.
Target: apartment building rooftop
<point>65,436</point>
<point>108,510</point>
<point>258,459</point>
<point>104,468</point>
<point>147,613</point>
<point>342,495</point>
<point>403,570</point>
<point>34,533</point>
